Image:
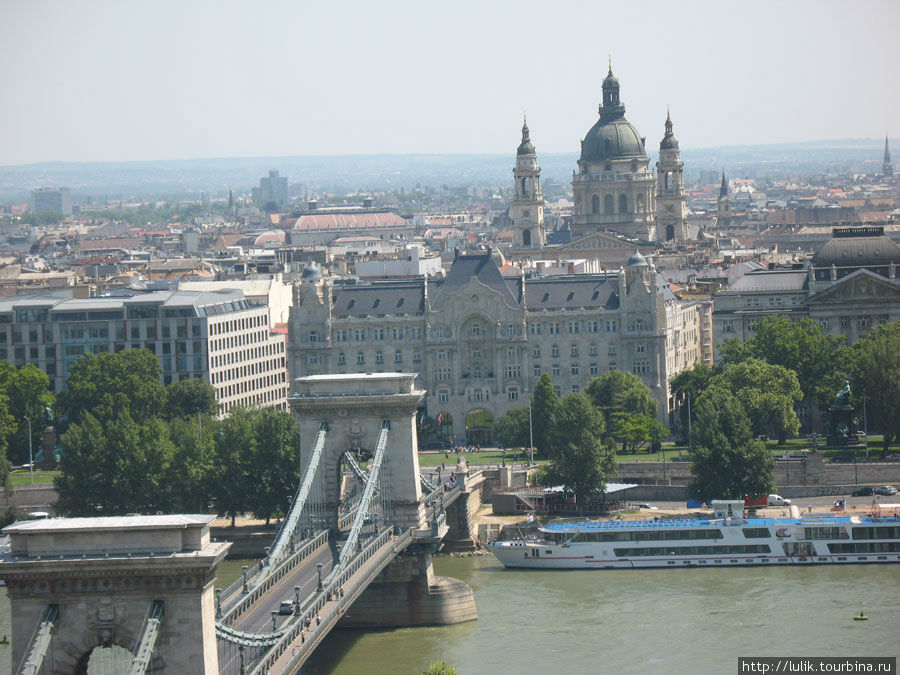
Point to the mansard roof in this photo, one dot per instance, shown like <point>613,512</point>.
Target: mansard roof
<point>393,297</point>
<point>573,292</point>
<point>480,266</point>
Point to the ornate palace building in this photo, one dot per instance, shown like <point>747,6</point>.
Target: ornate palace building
<point>479,342</point>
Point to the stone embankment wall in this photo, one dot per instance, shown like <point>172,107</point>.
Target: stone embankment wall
<point>39,497</point>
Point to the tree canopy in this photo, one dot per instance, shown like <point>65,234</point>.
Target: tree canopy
<point>544,403</point>
<point>27,395</point>
<point>769,394</point>
<point>511,429</point>
<point>688,385</point>
<point>727,462</point>
<point>186,398</point>
<point>876,380</point>
<point>620,397</point>
<point>817,357</point>
<point>578,458</point>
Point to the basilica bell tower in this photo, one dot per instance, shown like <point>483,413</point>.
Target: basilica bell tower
<point>671,210</point>
<point>527,209</point>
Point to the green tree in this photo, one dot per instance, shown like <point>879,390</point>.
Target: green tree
<point>816,356</point>
<point>727,462</point>
<point>108,383</point>
<point>114,466</point>
<point>875,366</point>
<point>688,385</point>
<point>275,463</point>
<point>578,458</point>
<point>193,464</point>
<point>511,429</point>
<point>544,403</point>
<point>769,394</point>
<point>641,431</point>
<point>190,397</point>
<point>28,392</point>
<point>231,482</point>
<point>619,396</point>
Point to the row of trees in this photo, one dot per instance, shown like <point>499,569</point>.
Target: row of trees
<point>787,366</point>
<point>579,433</point>
<point>131,444</point>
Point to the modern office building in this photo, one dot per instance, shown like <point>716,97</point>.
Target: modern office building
<point>58,200</point>
<point>272,189</point>
<point>217,336</point>
<point>479,342</point>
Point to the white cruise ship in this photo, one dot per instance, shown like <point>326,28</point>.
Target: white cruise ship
<point>726,539</point>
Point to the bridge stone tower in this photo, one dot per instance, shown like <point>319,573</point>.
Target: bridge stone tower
<point>96,582</point>
<point>355,408</point>
<point>527,209</point>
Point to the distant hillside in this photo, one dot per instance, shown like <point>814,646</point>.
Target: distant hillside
<point>183,178</point>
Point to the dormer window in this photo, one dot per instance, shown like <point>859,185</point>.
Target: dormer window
<point>376,303</point>
<point>400,302</point>
<point>351,304</point>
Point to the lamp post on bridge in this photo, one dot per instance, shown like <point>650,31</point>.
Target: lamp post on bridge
<point>218,603</point>
<point>274,620</point>
<point>319,572</point>
<point>297,596</point>
<point>244,573</point>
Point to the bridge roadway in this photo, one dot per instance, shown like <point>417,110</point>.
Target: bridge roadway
<point>258,619</point>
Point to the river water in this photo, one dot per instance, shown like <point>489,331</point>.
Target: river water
<point>686,621</point>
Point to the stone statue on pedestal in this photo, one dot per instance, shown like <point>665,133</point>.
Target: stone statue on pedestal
<point>840,427</point>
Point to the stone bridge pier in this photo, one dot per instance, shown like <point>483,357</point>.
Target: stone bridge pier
<point>103,576</point>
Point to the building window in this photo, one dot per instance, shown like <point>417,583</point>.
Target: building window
<point>557,390</point>
<point>398,356</point>
<point>379,357</point>
<point>536,371</point>
<point>313,337</point>
<point>595,204</point>
<point>612,326</point>
<point>593,326</point>
<point>397,333</point>
<point>612,349</point>
<point>575,369</point>
<point>360,334</point>
<point>639,348</point>
<point>555,369</point>
<point>612,365</point>
<point>417,357</point>
<point>728,326</point>
<point>476,395</point>
<point>594,369</point>
<point>592,350</point>
<point>340,335</point>
<point>476,330</point>
<point>378,334</point>
<point>441,355</point>
<point>360,358</point>
<point>536,352</point>
<point>415,332</point>
<point>441,332</point>
<point>535,328</point>
<point>513,372</point>
<point>443,374</point>
<point>341,358</point>
<point>512,394</point>
<point>443,396</point>
<point>573,351</point>
<point>573,327</point>
<point>554,351</point>
<point>554,328</point>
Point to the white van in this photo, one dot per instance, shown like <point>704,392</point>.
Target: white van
<point>775,500</point>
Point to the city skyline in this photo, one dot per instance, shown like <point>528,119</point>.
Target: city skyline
<point>105,81</point>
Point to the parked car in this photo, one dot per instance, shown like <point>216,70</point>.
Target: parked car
<point>887,490</point>
<point>863,492</point>
<point>647,506</point>
<point>775,500</point>
<point>286,607</point>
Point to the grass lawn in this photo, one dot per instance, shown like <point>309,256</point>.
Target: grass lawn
<point>21,477</point>
<point>491,456</point>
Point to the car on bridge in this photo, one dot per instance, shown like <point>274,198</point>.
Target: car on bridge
<point>886,490</point>
<point>287,607</point>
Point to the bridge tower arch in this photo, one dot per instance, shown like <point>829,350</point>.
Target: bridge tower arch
<point>139,583</point>
<point>356,408</point>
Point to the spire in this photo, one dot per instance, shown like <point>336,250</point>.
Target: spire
<point>526,147</point>
<point>887,168</point>
<point>723,190</point>
<point>611,107</point>
<point>525,138</point>
<point>887,150</point>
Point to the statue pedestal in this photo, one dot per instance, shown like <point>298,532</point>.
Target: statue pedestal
<point>841,427</point>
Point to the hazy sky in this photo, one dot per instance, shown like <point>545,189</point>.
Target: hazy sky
<point>85,80</point>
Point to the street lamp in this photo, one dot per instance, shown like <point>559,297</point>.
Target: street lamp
<point>530,437</point>
<point>30,457</point>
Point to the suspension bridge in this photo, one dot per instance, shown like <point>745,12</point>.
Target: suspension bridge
<point>354,549</point>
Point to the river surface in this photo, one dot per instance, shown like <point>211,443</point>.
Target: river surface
<point>686,621</point>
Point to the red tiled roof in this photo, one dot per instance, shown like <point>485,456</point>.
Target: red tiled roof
<point>348,221</point>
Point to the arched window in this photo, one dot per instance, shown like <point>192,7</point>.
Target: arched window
<point>669,180</point>
<point>608,204</point>
<point>670,232</point>
<point>640,203</point>
<point>623,203</point>
<point>526,237</point>
<point>524,187</point>
<point>595,204</point>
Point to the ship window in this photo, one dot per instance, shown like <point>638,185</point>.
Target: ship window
<point>757,533</point>
<point>876,533</point>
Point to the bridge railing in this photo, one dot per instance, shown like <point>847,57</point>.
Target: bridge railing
<point>377,553</point>
<point>243,602</point>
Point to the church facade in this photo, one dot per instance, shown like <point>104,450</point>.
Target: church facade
<point>479,341</point>
<point>614,190</point>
